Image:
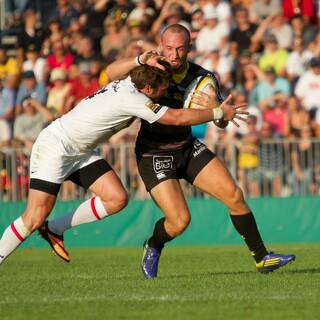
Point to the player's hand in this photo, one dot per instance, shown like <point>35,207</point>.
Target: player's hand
<point>204,100</point>
<point>152,58</point>
<point>234,113</point>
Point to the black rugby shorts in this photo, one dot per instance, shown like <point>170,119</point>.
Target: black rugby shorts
<point>157,166</point>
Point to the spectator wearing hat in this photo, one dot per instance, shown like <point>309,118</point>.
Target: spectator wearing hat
<point>214,35</point>
<point>273,56</point>
<point>58,94</point>
<point>308,89</point>
<point>83,87</point>
<point>29,87</point>
<point>34,62</point>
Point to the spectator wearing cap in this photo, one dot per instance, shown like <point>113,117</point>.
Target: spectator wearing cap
<point>8,66</point>
<point>214,35</point>
<point>223,11</point>
<point>7,102</point>
<point>29,87</point>
<point>308,89</point>
<point>84,86</point>
<point>59,92</point>
<point>273,56</point>
<point>34,62</point>
<point>30,35</point>
<point>243,31</point>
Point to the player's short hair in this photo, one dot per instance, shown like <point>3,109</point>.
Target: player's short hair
<point>177,28</point>
<point>152,76</point>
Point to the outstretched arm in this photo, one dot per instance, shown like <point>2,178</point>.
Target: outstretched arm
<point>185,117</point>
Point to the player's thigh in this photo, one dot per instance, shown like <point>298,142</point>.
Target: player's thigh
<point>169,196</point>
<point>216,180</point>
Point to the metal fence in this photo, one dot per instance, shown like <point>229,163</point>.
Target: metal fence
<point>275,167</point>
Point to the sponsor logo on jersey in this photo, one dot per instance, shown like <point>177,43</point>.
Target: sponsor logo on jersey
<point>155,107</point>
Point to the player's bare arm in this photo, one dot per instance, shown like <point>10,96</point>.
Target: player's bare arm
<point>120,69</point>
<point>186,117</point>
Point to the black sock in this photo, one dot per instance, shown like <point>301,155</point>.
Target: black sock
<point>248,229</point>
<point>160,236</point>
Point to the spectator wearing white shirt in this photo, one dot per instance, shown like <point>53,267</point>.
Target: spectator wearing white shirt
<point>308,88</point>
<point>214,35</point>
<point>34,63</point>
<point>297,59</point>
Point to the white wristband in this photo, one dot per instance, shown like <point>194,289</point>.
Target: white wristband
<point>137,61</point>
<point>217,113</point>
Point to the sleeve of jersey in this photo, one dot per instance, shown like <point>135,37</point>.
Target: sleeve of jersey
<point>142,107</point>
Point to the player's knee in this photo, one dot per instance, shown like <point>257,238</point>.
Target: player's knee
<point>236,199</point>
<point>116,202</point>
<point>179,225</point>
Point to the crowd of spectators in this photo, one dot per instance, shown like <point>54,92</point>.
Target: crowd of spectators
<point>265,52</point>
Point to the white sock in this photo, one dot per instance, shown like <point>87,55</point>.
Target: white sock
<point>12,237</point>
<point>88,211</point>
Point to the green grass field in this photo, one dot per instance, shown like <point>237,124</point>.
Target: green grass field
<point>217,282</point>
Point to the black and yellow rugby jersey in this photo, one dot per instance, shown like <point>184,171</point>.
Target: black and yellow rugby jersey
<point>161,136</point>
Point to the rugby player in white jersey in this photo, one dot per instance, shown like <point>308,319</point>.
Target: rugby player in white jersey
<point>65,151</point>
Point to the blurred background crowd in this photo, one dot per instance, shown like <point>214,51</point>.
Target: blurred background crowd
<point>265,52</point>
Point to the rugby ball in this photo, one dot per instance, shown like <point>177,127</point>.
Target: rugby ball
<point>202,83</point>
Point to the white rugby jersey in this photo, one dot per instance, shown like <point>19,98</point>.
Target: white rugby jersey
<point>96,118</point>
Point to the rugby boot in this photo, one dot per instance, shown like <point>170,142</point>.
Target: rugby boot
<point>55,241</point>
<point>273,261</point>
<point>150,261</point>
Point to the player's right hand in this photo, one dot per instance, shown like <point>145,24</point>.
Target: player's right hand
<point>152,58</point>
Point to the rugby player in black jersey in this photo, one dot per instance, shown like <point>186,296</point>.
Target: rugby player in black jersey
<point>166,154</point>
